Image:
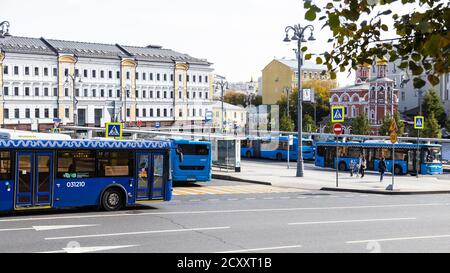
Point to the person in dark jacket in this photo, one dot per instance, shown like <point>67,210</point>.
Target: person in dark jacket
<point>362,165</point>
<point>382,168</point>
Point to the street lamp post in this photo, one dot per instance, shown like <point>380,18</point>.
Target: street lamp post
<point>223,85</point>
<point>287,101</point>
<point>4,29</point>
<point>125,93</point>
<point>74,99</point>
<point>298,35</point>
<point>420,94</point>
<point>4,32</point>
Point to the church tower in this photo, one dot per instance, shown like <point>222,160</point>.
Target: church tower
<point>362,74</point>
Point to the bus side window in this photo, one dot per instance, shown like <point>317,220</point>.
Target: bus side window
<point>5,166</point>
<point>179,152</point>
<point>76,164</point>
<point>115,164</point>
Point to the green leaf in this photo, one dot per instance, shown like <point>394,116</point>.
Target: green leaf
<point>310,15</point>
<point>384,27</point>
<point>416,57</point>
<point>433,79</point>
<point>333,75</point>
<point>308,56</point>
<point>334,20</point>
<point>418,83</point>
<point>319,60</point>
<point>304,49</point>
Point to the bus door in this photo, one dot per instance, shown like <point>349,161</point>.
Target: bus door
<point>412,161</point>
<point>330,155</point>
<point>150,176</point>
<point>34,179</point>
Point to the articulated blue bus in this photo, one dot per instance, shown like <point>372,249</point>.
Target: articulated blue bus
<point>408,158</point>
<point>276,148</point>
<point>62,173</point>
<point>191,161</point>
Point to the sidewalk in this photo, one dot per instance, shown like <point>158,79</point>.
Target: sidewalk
<point>276,173</point>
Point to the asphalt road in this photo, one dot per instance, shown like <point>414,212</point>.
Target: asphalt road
<point>271,220</point>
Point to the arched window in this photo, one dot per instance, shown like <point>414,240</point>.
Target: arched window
<point>355,98</point>
<point>334,98</point>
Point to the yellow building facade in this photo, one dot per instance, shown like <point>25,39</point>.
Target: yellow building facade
<point>232,115</point>
<point>281,75</point>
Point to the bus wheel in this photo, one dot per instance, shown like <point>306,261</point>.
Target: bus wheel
<point>342,166</point>
<point>278,156</point>
<point>397,169</point>
<point>112,199</point>
<point>248,154</point>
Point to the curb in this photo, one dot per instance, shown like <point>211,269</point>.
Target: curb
<point>231,178</point>
<point>384,191</point>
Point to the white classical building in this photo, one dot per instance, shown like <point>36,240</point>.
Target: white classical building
<point>88,84</point>
<point>409,96</point>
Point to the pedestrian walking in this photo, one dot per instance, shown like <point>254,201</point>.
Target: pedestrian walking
<point>362,165</point>
<point>382,168</point>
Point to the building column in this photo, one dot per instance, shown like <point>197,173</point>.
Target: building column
<point>66,61</point>
<point>179,103</point>
<point>130,66</point>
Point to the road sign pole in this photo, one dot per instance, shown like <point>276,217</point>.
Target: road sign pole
<point>337,161</point>
<point>393,165</point>
<point>288,155</point>
<point>417,159</point>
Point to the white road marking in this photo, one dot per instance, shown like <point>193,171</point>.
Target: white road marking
<point>87,249</point>
<point>352,221</point>
<point>81,216</point>
<point>44,228</point>
<point>285,197</point>
<point>261,249</point>
<point>16,229</point>
<point>400,239</point>
<point>251,198</point>
<point>213,200</point>
<point>135,233</point>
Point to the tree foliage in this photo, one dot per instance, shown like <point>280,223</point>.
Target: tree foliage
<point>308,124</point>
<point>422,44</point>
<point>385,126</point>
<point>322,94</point>
<point>241,99</point>
<point>432,128</point>
<point>432,103</point>
<point>286,124</point>
<point>360,125</point>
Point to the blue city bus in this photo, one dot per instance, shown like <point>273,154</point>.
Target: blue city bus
<point>409,158</point>
<point>110,174</point>
<point>276,148</point>
<point>191,160</point>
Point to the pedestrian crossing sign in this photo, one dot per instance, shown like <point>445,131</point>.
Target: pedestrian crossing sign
<point>114,130</point>
<point>337,113</point>
<point>418,122</point>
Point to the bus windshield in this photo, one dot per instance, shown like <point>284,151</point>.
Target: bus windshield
<point>189,149</point>
<point>433,155</point>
